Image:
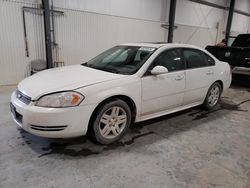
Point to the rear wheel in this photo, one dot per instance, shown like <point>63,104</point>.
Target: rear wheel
<point>111,122</point>
<point>213,96</point>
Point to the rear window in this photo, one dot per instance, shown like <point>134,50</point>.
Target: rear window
<point>242,41</point>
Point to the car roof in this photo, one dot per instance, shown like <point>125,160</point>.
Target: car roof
<point>162,44</point>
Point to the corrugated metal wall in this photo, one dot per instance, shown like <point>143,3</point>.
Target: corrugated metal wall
<point>14,65</point>
<point>199,24</point>
<point>199,36</point>
<point>80,35</point>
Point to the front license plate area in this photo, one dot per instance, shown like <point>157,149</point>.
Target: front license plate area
<point>12,108</point>
<point>18,117</point>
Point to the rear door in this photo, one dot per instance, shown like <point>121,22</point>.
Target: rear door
<point>199,75</point>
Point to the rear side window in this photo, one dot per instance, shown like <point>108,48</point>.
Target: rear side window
<point>195,58</point>
<point>209,59</point>
<point>171,59</point>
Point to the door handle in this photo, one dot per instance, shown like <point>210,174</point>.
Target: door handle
<point>209,72</point>
<point>179,77</point>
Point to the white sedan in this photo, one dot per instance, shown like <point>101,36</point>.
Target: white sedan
<point>125,84</point>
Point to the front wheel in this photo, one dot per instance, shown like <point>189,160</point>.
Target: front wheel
<point>213,96</point>
<point>111,122</point>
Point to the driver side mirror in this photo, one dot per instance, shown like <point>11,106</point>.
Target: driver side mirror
<point>159,70</point>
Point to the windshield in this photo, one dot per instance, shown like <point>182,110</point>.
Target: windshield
<point>121,59</point>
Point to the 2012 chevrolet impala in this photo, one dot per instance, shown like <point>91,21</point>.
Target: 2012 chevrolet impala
<point>125,84</point>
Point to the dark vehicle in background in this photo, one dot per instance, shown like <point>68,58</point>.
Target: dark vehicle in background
<point>237,55</point>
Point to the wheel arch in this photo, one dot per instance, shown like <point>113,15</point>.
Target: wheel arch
<point>130,102</point>
<point>217,81</point>
<point>220,82</point>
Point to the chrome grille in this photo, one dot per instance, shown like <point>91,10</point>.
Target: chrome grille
<point>24,98</point>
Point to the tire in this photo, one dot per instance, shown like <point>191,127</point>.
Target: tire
<point>213,96</point>
<point>111,122</point>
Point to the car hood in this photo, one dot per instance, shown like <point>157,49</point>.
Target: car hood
<point>61,79</point>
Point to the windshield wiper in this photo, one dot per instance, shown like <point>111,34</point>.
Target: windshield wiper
<point>86,64</point>
<point>109,69</point>
<point>105,68</point>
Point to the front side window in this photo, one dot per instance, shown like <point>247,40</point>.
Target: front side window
<point>194,58</point>
<point>171,59</point>
<point>121,59</point>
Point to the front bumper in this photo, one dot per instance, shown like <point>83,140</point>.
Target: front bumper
<point>241,70</point>
<point>51,122</point>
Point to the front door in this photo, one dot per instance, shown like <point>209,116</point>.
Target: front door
<point>164,91</point>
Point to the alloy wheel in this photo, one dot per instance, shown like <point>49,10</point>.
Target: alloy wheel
<point>112,122</point>
<point>214,95</point>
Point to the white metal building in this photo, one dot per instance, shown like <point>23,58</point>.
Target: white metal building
<point>79,32</point>
<point>145,114</point>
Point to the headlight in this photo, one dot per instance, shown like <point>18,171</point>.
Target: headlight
<point>62,99</point>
